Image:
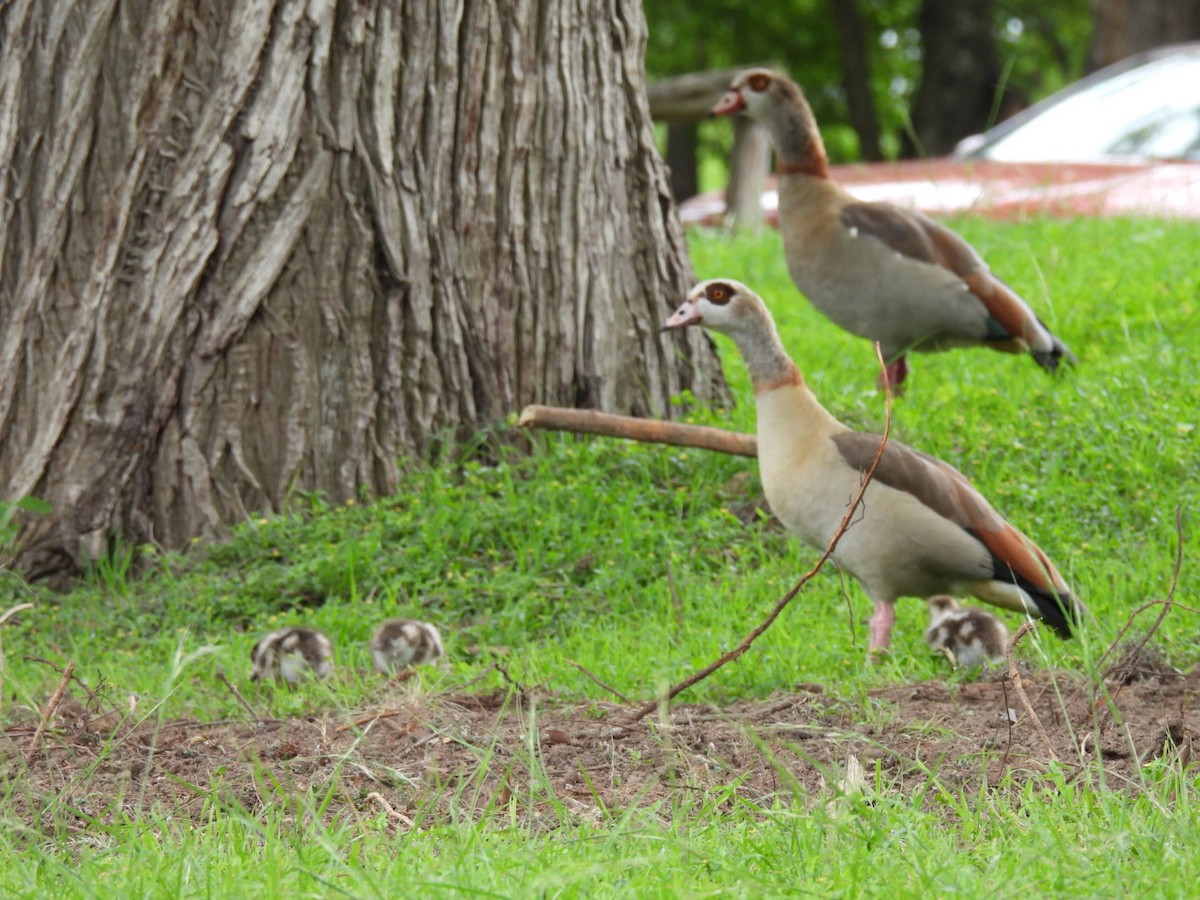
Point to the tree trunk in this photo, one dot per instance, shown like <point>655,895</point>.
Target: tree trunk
<point>681,160</point>
<point>1121,28</point>
<point>253,246</point>
<point>856,76</point>
<point>960,75</point>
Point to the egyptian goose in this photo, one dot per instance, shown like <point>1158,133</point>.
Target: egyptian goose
<point>922,528</point>
<point>880,271</point>
<point>400,643</point>
<point>968,637</point>
<point>291,654</point>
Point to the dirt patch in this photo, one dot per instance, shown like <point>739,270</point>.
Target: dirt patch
<point>423,758</point>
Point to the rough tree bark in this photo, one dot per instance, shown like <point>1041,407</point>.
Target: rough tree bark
<point>250,246</point>
<point>960,74</point>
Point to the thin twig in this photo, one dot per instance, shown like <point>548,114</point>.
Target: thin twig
<point>750,638</point>
<point>471,681</point>
<point>391,811</point>
<point>608,687</point>
<point>1167,603</point>
<point>1015,677</point>
<point>52,706</point>
<point>849,609</point>
<point>237,694</point>
<point>13,610</point>
<point>521,689</point>
<point>79,681</point>
<point>1102,717</point>
<point>1009,717</point>
<point>675,602</point>
<point>367,720</point>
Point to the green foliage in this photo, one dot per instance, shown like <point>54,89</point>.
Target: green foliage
<point>1041,47</point>
<point>8,516</point>
<point>10,524</point>
<point>1045,44</point>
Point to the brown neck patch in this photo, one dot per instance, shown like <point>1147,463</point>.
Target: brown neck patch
<point>792,379</point>
<point>815,166</point>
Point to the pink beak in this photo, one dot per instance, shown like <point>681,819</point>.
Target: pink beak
<point>686,315</point>
<point>731,103</point>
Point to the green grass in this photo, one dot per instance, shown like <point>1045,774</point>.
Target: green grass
<point>1051,838</point>
<point>630,560</point>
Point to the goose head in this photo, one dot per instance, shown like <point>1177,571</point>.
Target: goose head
<point>757,93</point>
<point>720,304</point>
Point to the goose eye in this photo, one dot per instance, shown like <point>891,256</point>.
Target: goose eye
<point>759,82</point>
<point>718,293</point>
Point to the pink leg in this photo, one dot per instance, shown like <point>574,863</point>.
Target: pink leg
<point>894,375</point>
<point>881,628</point>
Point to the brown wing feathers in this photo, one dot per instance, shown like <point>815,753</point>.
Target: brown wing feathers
<point>939,486</point>
<point>942,488</point>
<point>1013,326</point>
<point>914,235</point>
<point>1019,561</point>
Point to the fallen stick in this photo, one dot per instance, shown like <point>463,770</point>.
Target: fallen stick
<point>589,421</point>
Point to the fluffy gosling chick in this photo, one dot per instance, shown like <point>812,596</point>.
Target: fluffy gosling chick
<point>400,643</point>
<point>291,654</point>
<point>969,637</point>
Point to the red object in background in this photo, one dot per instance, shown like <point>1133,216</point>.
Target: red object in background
<point>1001,190</point>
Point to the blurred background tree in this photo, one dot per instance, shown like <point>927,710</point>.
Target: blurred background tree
<point>1121,28</point>
<point>898,79</point>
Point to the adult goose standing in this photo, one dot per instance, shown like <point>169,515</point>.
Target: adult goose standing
<point>880,271</point>
<point>922,529</point>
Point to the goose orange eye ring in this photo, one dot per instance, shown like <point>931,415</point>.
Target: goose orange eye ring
<point>718,293</point>
<point>759,82</point>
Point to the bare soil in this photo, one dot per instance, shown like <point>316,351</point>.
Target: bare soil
<point>421,758</point>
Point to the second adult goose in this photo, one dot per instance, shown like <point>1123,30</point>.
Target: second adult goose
<point>922,528</point>
<point>880,271</point>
